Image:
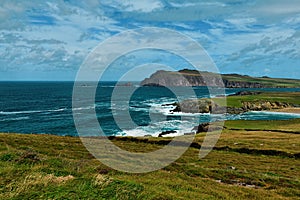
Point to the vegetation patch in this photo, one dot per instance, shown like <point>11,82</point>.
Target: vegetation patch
<point>243,165</point>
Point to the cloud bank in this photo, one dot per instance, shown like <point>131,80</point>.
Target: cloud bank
<point>242,36</point>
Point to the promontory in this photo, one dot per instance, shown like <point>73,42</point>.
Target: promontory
<point>187,77</point>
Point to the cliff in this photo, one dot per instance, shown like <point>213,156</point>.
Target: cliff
<point>195,78</point>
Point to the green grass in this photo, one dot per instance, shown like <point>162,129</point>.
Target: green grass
<point>269,82</point>
<point>285,97</point>
<point>283,125</point>
<point>52,167</point>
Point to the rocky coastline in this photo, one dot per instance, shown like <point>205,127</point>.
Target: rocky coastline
<point>209,106</point>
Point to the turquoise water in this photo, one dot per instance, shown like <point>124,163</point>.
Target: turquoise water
<point>46,107</point>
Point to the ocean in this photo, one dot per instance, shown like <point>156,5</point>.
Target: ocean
<point>46,108</point>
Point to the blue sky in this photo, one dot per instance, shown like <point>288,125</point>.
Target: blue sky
<point>49,40</point>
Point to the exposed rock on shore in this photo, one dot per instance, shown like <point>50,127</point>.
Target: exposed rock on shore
<point>265,105</point>
<point>209,106</point>
<point>166,133</point>
<point>207,127</point>
<point>243,93</point>
<point>199,106</point>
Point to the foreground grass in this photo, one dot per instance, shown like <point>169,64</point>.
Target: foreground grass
<point>52,167</point>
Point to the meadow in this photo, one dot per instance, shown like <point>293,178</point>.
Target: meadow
<point>252,160</point>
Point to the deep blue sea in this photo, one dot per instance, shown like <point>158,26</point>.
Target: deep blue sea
<point>46,107</point>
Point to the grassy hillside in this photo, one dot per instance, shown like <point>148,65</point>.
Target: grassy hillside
<point>246,164</point>
<point>266,81</point>
<point>269,82</point>
<point>284,97</point>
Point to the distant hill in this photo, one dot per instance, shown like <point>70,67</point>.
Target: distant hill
<point>188,77</point>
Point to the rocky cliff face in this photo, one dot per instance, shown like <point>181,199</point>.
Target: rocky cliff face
<point>240,84</point>
<point>195,78</point>
<point>182,78</point>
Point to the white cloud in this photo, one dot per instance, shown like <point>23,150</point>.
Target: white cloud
<point>243,32</point>
<point>49,47</point>
<point>197,3</point>
<point>274,48</point>
<point>133,5</point>
<point>9,8</point>
<point>267,70</point>
<point>241,23</point>
<point>280,7</point>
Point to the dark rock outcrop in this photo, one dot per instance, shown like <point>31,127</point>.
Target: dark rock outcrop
<point>199,106</point>
<point>244,93</point>
<point>241,84</point>
<point>207,127</point>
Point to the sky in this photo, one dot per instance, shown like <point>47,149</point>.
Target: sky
<point>49,40</point>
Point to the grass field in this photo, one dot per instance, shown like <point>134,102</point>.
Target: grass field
<point>269,82</point>
<point>250,161</point>
<point>285,97</point>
